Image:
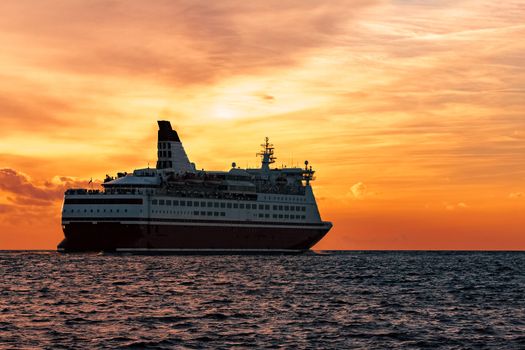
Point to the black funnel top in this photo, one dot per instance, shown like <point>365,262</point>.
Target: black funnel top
<point>166,133</point>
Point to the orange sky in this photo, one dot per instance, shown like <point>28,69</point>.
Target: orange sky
<point>412,112</point>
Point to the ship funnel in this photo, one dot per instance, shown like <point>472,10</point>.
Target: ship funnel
<point>170,153</point>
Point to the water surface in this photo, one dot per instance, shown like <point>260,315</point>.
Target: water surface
<point>361,300</point>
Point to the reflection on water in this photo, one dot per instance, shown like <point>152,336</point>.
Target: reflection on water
<point>316,300</point>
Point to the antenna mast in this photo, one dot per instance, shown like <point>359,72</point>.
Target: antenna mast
<point>267,154</point>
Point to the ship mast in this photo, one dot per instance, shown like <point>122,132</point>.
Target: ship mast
<point>266,154</point>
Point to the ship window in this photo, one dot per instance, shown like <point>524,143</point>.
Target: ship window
<point>85,210</point>
<point>286,216</point>
<point>215,213</point>
<point>203,204</point>
<point>254,206</point>
<point>195,204</point>
<point>280,216</point>
<point>286,207</point>
<point>125,210</point>
<point>196,212</point>
<point>303,208</point>
<point>274,216</point>
<point>261,206</point>
<point>280,207</point>
<point>261,215</point>
<point>266,215</point>
<point>168,145</point>
<point>235,205</point>
<point>168,202</point>
<point>216,204</point>
<point>91,210</point>
<point>210,204</point>
<point>229,205</point>
<point>209,213</point>
<point>188,203</point>
<point>161,201</point>
<point>223,205</point>
<point>169,154</point>
<point>183,203</point>
<point>154,201</point>
<point>203,213</point>
<point>241,205</point>
<point>292,216</point>
<point>223,213</point>
<point>298,208</point>
<point>175,202</point>
<point>292,208</point>
<point>111,210</point>
<point>274,207</point>
<point>267,207</point>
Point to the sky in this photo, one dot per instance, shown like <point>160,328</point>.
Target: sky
<point>411,112</point>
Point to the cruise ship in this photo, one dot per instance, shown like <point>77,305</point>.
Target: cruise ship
<point>176,208</point>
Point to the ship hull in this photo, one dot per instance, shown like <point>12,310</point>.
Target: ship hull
<point>184,237</point>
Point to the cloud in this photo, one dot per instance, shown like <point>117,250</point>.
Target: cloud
<point>456,206</point>
<point>514,195</point>
<point>28,193</point>
<point>177,41</point>
<point>359,190</point>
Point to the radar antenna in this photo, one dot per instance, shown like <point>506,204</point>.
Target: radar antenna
<point>266,154</point>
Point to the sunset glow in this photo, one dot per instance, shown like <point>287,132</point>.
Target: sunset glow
<point>412,113</point>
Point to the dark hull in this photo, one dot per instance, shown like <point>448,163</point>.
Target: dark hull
<point>187,238</point>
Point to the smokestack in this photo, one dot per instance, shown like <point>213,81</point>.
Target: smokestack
<point>170,153</point>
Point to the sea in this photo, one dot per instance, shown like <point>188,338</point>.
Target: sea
<point>317,300</point>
